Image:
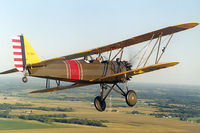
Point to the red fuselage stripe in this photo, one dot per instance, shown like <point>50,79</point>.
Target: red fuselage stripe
<point>81,70</point>
<point>74,69</point>
<point>67,71</point>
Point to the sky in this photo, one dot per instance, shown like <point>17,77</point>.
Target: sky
<point>61,27</point>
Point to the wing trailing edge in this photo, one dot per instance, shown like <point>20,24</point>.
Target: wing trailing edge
<point>61,88</point>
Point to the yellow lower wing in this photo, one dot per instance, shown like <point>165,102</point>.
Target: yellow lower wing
<point>61,88</point>
<point>135,72</point>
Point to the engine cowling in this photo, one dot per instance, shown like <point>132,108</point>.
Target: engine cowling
<point>128,67</point>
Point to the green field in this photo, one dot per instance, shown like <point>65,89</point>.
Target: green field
<point>19,125</point>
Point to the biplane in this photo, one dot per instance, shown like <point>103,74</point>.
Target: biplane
<point>90,67</point>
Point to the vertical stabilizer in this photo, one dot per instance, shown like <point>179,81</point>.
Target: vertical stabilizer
<point>30,54</point>
<point>23,53</point>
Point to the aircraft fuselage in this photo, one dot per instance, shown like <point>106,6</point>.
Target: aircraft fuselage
<point>79,70</point>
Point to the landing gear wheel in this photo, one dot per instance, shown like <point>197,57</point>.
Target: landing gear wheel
<point>99,105</point>
<point>131,98</point>
<point>24,79</point>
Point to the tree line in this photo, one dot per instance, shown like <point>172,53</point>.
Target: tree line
<point>6,106</point>
<point>60,118</point>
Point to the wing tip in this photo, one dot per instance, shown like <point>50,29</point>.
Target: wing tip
<point>175,63</point>
<point>187,25</point>
<point>32,92</point>
<point>44,90</point>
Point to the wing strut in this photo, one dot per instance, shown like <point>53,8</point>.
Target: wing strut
<point>147,46</point>
<point>147,51</point>
<point>163,50</point>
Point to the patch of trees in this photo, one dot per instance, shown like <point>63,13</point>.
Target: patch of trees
<point>162,105</point>
<point>159,115</point>
<point>40,118</point>
<point>180,107</point>
<point>5,114</point>
<point>124,106</point>
<point>181,112</point>
<point>56,115</point>
<point>198,121</point>
<point>136,112</point>
<point>53,109</point>
<point>182,117</point>
<point>21,104</point>
<point>81,122</point>
<point>184,100</point>
<point>53,118</point>
<point>65,98</point>
<point>187,112</point>
<point>6,106</point>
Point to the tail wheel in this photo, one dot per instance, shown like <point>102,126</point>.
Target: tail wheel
<point>99,105</point>
<point>24,79</point>
<point>131,98</point>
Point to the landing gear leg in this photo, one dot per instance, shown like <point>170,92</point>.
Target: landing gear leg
<point>48,83</point>
<point>99,101</point>
<point>58,83</point>
<point>25,73</point>
<point>130,96</point>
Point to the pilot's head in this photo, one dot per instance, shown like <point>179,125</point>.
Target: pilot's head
<point>98,58</point>
<point>117,59</point>
<point>85,58</point>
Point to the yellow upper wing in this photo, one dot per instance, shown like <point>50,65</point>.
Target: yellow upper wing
<point>135,72</point>
<point>132,41</point>
<point>135,40</point>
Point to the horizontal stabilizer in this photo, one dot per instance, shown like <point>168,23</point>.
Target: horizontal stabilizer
<point>60,88</point>
<point>10,71</point>
<point>135,72</point>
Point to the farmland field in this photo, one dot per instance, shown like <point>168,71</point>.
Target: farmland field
<point>7,124</point>
<point>42,113</point>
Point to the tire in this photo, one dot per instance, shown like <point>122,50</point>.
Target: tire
<point>99,105</point>
<point>25,79</point>
<point>131,98</point>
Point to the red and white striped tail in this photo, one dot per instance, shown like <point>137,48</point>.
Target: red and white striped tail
<point>17,52</point>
